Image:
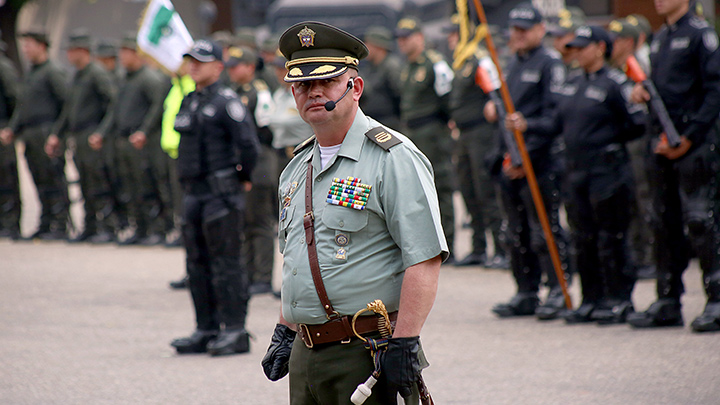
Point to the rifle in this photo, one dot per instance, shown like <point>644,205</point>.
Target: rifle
<point>483,79</point>
<point>635,72</point>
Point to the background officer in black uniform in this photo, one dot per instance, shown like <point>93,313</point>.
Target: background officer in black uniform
<point>684,179</point>
<point>597,118</point>
<point>218,149</point>
<point>532,75</point>
<point>10,204</point>
<point>39,105</point>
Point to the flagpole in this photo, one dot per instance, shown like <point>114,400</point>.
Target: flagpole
<point>527,164</point>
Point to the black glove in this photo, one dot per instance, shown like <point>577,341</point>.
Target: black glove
<point>275,362</point>
<point>400,365</point>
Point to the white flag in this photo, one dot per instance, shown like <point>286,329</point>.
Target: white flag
<point>163,35</point>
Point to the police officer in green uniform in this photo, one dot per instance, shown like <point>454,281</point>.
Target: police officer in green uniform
<point>268,53</point>
<point>106,55</point>
<point>369,229</point>
<point>133,123</point>
<point>381,97</point>
<point>39,105</point>
<point>475,142</point>
<point>10,204</point>
<point>89,97</point>
<point>424,109</point>
<point>260,210</point>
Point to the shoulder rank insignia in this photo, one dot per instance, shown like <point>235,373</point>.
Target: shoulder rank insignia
<point>382,138</point>
<point>304,145</point>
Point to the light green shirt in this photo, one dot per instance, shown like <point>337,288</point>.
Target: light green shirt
<point>362,253</point>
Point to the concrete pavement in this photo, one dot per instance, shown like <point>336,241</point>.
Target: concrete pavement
<point>84,324</point>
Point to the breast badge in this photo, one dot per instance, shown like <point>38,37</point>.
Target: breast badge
<point>287,198</point>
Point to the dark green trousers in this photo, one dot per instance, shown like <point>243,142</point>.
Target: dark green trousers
<point>477,187</point>
<point>329,374</point>
<point>260,231</point>
<point>49,177</point>
<point>261,218</point>
<point>10,204</point>
<point>139,186</point>
<point>95,184</point>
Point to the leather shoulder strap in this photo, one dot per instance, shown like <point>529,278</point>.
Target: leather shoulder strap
<point>309,224</point>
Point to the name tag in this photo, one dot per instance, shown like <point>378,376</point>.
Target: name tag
<point>680,43</point>
<point>530,76</point>
<point>568,89</point>
<point>182,122</point>
<point>209,110</point>
<point>595,93</point>
<point>655,47</point>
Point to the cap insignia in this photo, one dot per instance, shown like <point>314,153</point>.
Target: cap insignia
<point>307,37</point>
<point>406,24</point>
<point>615,26</point>
<point>295,72</point>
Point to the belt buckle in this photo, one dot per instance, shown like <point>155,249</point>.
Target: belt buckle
<point>305,331</point>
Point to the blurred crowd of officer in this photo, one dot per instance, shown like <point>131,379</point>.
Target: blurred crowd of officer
<point>636,207</point>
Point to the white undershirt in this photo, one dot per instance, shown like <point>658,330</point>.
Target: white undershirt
<point>327,152</point>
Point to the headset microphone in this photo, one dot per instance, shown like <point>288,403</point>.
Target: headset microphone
<point>330,105</point>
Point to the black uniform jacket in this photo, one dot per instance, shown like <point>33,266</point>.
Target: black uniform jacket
<point>596,117</point>
<point>686,71</point>
<point>217,132</point>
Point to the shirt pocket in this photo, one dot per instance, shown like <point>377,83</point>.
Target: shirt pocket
<point>284,226</point>
<point>344,223</point>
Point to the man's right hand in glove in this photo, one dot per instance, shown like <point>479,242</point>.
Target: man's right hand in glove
<point>275,362</point>
<point>400,365</point>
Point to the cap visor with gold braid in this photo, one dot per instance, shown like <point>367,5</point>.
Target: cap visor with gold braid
<point>316,50</point>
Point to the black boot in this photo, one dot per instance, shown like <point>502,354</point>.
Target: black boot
<point>133,239</point>
<point>613,312</point>
<point>473,259</point>
<point>86,234</point>
<point>663,312</point>
<point>230,342</point>
<point>709,320</point>
<point>499,261</point>
<point>522,304</point>
<point>179,284</point>
<point>581,315</point>
<point>195,343</point>
<point>553,305</point>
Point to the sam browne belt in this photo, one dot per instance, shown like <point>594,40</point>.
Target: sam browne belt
<point>335,331</point>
